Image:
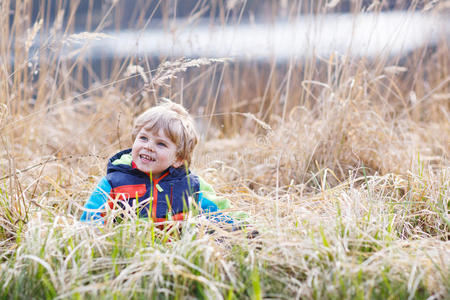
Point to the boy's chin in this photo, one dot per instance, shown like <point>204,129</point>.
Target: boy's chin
<point>148,171</point>
<point>144,168</point>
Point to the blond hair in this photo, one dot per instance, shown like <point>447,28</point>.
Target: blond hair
<point>176,124</point>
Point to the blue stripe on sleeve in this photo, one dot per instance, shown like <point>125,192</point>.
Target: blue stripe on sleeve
<point>205,204</point>
<point>97,200</point>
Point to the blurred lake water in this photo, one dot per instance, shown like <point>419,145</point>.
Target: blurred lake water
<point>369,35</point>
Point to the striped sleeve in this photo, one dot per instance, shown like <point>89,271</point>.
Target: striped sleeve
<point>210,202</point>
<point>208,196</point>
<point>96,201</point>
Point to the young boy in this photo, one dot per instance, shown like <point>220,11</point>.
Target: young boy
<point>153,175</point>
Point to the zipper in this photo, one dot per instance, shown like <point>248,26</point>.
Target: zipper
<point>155,197</point>
<point>171,196</point>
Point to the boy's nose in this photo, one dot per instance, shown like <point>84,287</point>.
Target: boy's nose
<point>150,145</point>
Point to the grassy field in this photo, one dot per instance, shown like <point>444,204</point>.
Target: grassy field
<point>342,164</point>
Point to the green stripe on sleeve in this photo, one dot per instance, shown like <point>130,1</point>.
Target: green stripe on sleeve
<point>208,192</point>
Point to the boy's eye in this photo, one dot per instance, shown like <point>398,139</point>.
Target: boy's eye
<point>162,144</point>
<point>143,138</point>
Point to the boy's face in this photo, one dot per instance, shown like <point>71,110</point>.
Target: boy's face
<point>154,152</point>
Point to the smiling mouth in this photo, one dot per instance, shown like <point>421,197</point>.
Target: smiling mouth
<point>146,157</point>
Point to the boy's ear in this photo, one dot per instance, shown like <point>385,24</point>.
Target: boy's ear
<point>178,162</point>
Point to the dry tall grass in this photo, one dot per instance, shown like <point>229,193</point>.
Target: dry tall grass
<point>341,162</point>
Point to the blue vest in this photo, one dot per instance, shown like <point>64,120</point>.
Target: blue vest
<point>171,191</point>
